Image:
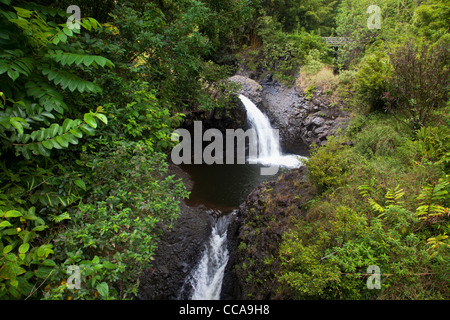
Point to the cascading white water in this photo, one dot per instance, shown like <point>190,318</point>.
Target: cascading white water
<point>207,278</point>
<point>269,151</point>
<point>267,142</point>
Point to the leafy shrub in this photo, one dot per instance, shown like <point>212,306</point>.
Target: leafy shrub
<point>304,273</point>
<point>313,63</point>
<point>33,70</point>
<point>430,19</point>
<point>345,88</point>
<point>371,81</point>
<point>141,117</point>
<point>283,53</point>
<point>378,140</point>
<point>329,165</point>
<point>113,236</point>
<point>327,258</point>
<point>98,212</point>
<point>433,143</point>
<point>22,260</point>
<point>39,68</point>
<point>418,83</point>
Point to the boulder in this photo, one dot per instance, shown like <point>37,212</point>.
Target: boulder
<point>178,251</point>
<point>248,87</point>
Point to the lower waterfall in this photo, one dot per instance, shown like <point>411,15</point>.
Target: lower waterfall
<point>206,279</point>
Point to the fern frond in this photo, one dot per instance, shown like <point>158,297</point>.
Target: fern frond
<point>431,197</point>
<point>70,81</point>
<point>68,58</point>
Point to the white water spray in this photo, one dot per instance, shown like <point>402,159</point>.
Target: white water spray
<point>207,278</point>
<point>269,151</point>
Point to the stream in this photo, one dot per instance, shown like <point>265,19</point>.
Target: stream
<point>222,188</point>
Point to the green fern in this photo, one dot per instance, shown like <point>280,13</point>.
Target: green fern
<point>61,217</point>
<point>68,80</point>
<point>57,136</point>
<point>432,197</point>
<point>392,197</point>
<point>31,120</point>
<point>68,58</point>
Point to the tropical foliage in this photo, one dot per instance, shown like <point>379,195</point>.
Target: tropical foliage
<point>87,108</point>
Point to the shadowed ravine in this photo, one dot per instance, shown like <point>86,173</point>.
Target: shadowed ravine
<point>223,188</point>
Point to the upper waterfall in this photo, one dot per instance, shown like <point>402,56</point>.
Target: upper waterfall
<point>269,150</point>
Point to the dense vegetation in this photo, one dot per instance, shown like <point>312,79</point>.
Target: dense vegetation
<point>86,116</point>
<point>86,120</point>
<point>382,184</point>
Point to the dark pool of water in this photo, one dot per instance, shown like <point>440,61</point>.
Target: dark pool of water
<point>223,186</point>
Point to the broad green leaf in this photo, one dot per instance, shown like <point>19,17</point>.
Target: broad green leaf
<point>81,86</point>
<point>81,184</point>
<point>72,85</point>
<point>13,74</point>
<point>12,214</point>
<point>101,61</point>
<point>24,247</point>
<point>26,153</point>
<point>5,224</point>
<point>61,36</point>
<point>76,132</point>
<point>67,124</point>
<point>48,144</point>
<point>16,124</point>
<point>3,67</point>
<point>88,60</point>
<point>11,257</point>
<point>54,128</point>
<point>88,130</point>
<point>42,150</point>
<point>48,115</point>
<point>49,263</point>
<point>62,141</point>
<point>90,120</point>
<point>43,272</point>
<point>68,32</point>
<point>29,235</point>
<point>55,143</point>
<point>71,138</point>
<point>102,118</point>
<point>103,289</point>
<point>7,249</point>
<point>40,135</point>
<point>39,228</point>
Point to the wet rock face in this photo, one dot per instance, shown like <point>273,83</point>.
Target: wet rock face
<point>259,226</point>
<point>264,216</point>
<point>178,251</point>
<point>299,120</point>
<point>249,88</point>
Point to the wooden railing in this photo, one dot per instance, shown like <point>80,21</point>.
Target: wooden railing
<point>335,41</point>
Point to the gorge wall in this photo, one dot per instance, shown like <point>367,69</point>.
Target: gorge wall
<point>270,208</point>
<point>300,121</point>
<point>255,234</point>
